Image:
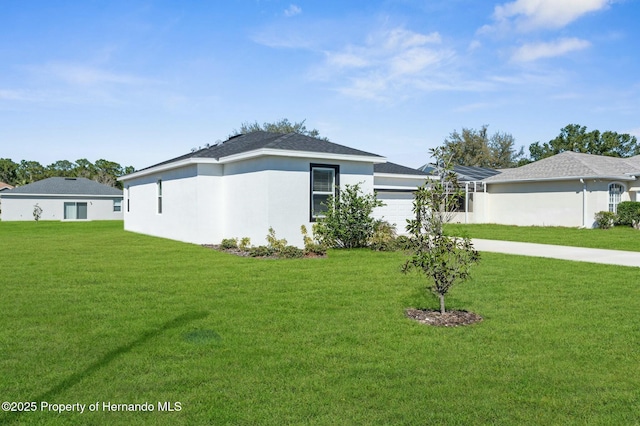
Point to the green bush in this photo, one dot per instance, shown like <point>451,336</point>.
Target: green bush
<point>291,252</point>
<point>402,242</point>
<point>229,243</point>
<point>629,214</point>
<point>245,244</point>
<point>274,243</point>
<point>347,222</point>
<point>310,245</point>
<point>604,219</point>
<point>384,236</point>
<point>261,251</point>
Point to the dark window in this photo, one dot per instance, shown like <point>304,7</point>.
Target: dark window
<point>324,183</point>
<point>75,211</point>
<point>159,196</point>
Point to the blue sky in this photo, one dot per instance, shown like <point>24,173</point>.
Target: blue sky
<point>142,82</point>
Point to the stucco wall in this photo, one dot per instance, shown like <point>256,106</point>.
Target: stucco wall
<point>189,212</point>
<point>205,203</point>
<point>20,207</point>
<point>550,203</point>
<point>275,192</point>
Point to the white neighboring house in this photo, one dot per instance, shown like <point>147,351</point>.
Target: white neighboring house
<point>249,183</point>
<point>62,199</point>
<point>567,189</point>
<point>4,187</point>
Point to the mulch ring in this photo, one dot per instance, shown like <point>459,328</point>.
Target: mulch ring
<point>448,319</point>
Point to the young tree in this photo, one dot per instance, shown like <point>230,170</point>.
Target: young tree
<point>348,222</point>
<point>444,260</point>
<point>37,212</point>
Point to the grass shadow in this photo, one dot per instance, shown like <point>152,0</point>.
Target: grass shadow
<point>75,378</point>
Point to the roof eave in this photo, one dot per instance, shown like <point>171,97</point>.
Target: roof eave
<point>169,166</point>
<point>404,176</point>
<point>374,159</point>
<point>33,194</point>
<point>563,178</point>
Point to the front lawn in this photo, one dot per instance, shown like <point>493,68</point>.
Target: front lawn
<point>91,313</point>
<point>617,238</point>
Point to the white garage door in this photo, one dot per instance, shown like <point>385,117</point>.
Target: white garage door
<point>398,208</point>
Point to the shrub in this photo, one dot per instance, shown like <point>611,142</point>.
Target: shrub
<point>604,219</point>
<point>402,242</point>
<point>291,252</point>
<point>347,222</point>
<point>310,245</point>
<point>384,236</point>
<point>245,244</point>
<point>274,243</point>
<point>629,214</point>
<point>229,243</point>
<point>261,251</point>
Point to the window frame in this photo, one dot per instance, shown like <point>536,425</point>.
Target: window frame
<point>615,198</point>
<point>76,205</point>
<point>159,194</point>
<point>336,183</point>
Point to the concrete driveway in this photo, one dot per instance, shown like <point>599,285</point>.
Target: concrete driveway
<point>580,254</point>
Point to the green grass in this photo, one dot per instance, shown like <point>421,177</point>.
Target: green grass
<point>617,238</point>
<point>92,313</point>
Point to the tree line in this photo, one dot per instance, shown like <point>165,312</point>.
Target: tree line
<point>477,147</point>
<point>25,172</point>
<point>472,147</point>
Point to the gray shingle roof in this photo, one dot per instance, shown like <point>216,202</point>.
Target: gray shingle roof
<point>572,165</point>
<point>396,169</point>
<point>264,140</point>
<point>65,186</point>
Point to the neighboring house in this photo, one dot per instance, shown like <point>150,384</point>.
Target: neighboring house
<point>470,179</point>
<point>4,187</point>
<point>249,183</point>
<point>62,199</point>
<point>567,189</point>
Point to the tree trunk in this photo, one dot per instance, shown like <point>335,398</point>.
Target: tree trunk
<point>441,303</point>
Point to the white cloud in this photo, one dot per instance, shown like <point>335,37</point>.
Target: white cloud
<point>527,15</point>
<point>347,59</point>
<point>386,62</point>
<point>292,10</point>
<point>533,51</point>
<point>83,75</point>
<point>474,45</point>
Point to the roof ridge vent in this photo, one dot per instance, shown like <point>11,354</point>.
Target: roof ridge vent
<point>70,178</point>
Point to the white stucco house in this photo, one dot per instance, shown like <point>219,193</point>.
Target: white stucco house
<point>567,189</point>
<point>249,183</point>
<point>62,198</point>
